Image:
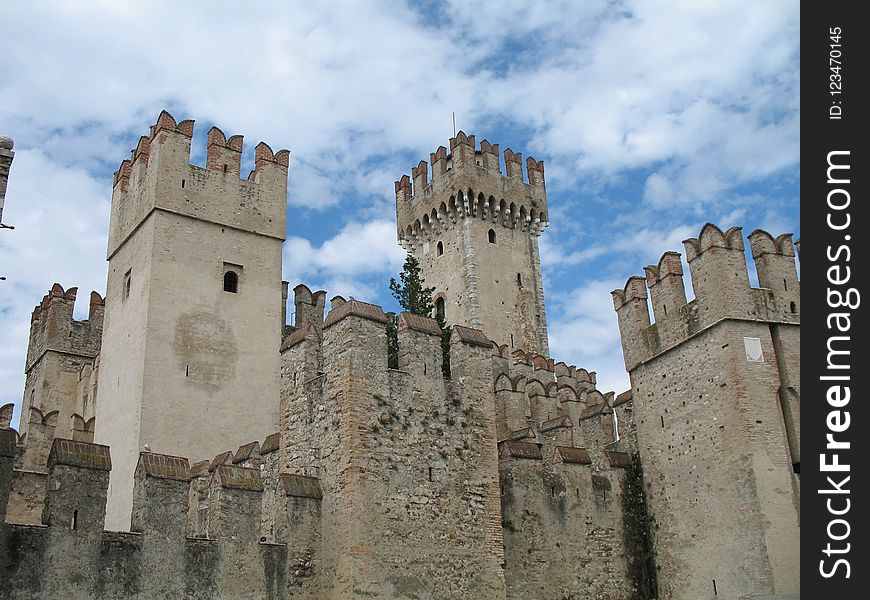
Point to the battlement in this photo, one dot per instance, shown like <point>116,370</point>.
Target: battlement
<point>549,403</point>
<point>468,182</point>
<point>52,326</point>
<point>158,175</point>
<point>233,557</point>
<point>720,282</point>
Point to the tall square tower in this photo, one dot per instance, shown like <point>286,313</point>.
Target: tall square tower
<point>475,231</point>
<point>189,358</point>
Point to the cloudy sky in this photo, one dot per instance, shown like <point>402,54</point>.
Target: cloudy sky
<point>653,117</point>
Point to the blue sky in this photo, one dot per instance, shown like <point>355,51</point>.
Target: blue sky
<point>652,118</point>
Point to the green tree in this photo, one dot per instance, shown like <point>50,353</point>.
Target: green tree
<point>414,297</point>
<point>410,291</point>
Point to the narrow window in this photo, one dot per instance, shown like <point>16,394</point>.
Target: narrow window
<point>512,340</point>
<point>187,370</point>
<point>519,280</point>
<point>663,420</point>
<point>492,236</point>
<point>128,278</point>
<point>785,284</point>
<point>665,307</point>
<point>793,308</point>
<point>430,474</point>
<point>440,248</point>
<point>715,591</point>
<point>231,282</point>
<point>440,309</point>
<point>225,168</point>
<point>75,521</point>
<point>182,184</point>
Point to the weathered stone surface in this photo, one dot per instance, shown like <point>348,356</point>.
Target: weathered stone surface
<point>718,426</point>
<point>471,336</point>
<point>239,478</point>
<point>165,466</point>
<point>419,323</point>
<point>79,454</point>
<point>355,308</point>
<point>578,456</point>
<point>300,486</point>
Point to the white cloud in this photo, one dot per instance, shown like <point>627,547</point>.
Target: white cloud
<point>60,215</point>
<point>554,255</point>
<point>584,331</point>
<point>342,263</point>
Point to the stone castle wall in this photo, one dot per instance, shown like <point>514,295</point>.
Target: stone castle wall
<point>716,405</point>
<point>70,556</point>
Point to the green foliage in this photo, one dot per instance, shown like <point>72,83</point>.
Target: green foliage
<point>412,295</point>
<point>392,340</point>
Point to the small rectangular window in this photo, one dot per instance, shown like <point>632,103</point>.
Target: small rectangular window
<point>128,282</point>
<point>232,278</point>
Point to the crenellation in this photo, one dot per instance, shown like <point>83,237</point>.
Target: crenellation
<point>720,282</point>
<point>775,264</point>
<point>223,155</point>
<point>720,278</point>
<point>438,160</point>
<point>7,411</point>
<point>420,346</point>
<point>667,293</point>
<point>489,154</point>
<point>309,307</point>
<point>159,176</point>
<point>420,175</point>
<point>535,169</point>
<point>513,163</point>
<point>246,452</point>
<point>633,316</point>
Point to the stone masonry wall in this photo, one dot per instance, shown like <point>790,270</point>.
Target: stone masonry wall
<point>71,557</point>
<point>562,485</point>
<point>716,407</point>
<point>407,460</point>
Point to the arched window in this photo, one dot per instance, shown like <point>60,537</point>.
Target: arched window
<point>231,282</point>
<point>440,310</point>
<point>492,236</point>
<point>440,248</point>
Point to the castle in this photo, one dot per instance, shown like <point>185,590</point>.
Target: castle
<point>185,441</point>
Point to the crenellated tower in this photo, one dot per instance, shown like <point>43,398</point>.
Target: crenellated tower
<point>58,400</point>
<point>193,302</point>
<point>716,395</point>
<point>474,230</point>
